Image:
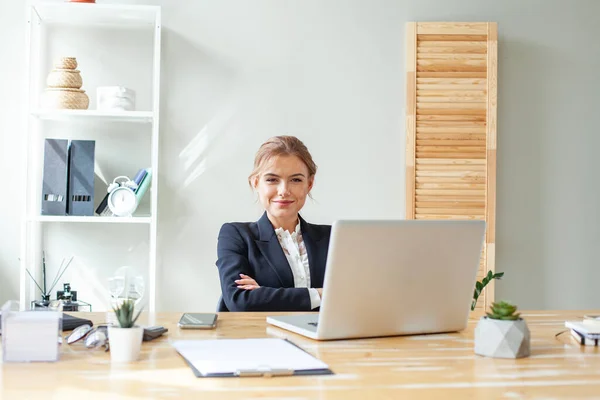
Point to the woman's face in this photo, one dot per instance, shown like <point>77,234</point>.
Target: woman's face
<point>283,185</point>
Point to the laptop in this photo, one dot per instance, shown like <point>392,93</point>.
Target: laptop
<point>394,277</point>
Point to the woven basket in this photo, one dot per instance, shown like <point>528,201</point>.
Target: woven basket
<point>64,78</point>
<point>74,99</point>
<point>66,63</point>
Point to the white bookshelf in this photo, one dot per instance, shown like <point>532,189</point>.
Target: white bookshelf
<point>92,219</point>
<point>94,115</point>
<point>44,17</point>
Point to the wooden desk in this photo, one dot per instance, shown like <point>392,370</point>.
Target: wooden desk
<point>416,367</point>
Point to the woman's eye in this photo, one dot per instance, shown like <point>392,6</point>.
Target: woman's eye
<point>271,180</point>
<point>296,180</point>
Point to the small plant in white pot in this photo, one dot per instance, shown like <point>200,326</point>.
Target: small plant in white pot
<point>502,333</point>
<point>125,339</point>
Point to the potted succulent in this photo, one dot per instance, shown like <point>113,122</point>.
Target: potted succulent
<point>125,339</point>
<point>502,333</point>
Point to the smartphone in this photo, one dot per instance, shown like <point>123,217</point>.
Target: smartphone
<point>198,321</point>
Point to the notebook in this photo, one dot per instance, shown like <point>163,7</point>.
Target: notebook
<point>582,339</point>
<point>248,357</point>
<point>591,331</point>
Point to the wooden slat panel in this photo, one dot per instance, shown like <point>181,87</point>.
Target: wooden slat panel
<point>437,192</point>
<point>425,86</point>
<point>449,142</point>
<point>453,118</point>
<point>470,212</point>
<point>453,162</point>
<point>448,216</point>
<point>456,105</point>
<point>444,48</point>
<point>445,185</point>
<point>453,81</point>
<point>452,93</point>
<point>446,179</point>
<point>447,129</point>
<point>492,80</point>
<point>453,28</point>
<point>452,149</point>
<point>451,74</point>
<point>451,124</point>
<point>451,111</point>
<point>451,38</point>
<point>451,204</point>
<point>450,167</point>
<point>453,98</point>
<point>451,136</point>
<point>459,46</point>
<point>450,155</point>
<point>451,65</point>
<point>435,56</point>
<point>450,198</point>
<point>422,182</point>
<point>464,98</point>
<point>462,174</point>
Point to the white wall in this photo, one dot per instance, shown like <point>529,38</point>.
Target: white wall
<point>332,73</point>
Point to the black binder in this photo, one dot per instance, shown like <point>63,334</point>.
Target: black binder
<point>54,181</point>
<point>81,177</point>
<point>69,322</point>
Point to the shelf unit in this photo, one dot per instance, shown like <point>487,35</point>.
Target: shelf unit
<point>94,115</point>
<point>92,219</point>
<point>41,18</point>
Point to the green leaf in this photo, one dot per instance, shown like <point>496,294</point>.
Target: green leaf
<point>479,286</point>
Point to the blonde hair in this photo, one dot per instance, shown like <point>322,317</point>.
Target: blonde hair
<point>282,145</point>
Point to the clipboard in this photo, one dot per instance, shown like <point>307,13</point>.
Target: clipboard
<point>265,357</point>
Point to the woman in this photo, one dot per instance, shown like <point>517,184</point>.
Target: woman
<point>278,262</point>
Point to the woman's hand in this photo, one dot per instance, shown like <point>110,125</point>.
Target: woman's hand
<point>246,283</point>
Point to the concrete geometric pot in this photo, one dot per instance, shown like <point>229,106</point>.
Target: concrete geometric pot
<point>502,339</point>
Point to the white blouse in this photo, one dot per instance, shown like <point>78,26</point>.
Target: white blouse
<point>297,256</point>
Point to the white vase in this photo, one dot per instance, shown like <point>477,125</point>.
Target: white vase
<point>125,343</point>
<point>502,339</point>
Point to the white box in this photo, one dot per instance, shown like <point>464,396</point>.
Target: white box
<point>115,98</point>
<point>30,335</point>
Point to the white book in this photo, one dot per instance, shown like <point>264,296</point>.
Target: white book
<point>591,331</point>
<point>583,340</point>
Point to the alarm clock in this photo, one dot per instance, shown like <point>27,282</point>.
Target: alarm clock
<point>121,198</point>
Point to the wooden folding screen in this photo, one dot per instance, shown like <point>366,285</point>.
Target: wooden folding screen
<point>451,75</point>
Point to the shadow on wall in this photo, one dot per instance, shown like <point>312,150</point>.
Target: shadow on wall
<point>196,139</point>
<point>9,286</point>
<point>523,126</point>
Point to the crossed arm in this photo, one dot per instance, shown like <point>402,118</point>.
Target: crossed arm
<point>240,289</point>
<point>247,283</point>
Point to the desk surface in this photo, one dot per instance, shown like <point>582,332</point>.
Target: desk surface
<point>415,367</point>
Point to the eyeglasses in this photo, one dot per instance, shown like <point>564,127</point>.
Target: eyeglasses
<point>93,337</point>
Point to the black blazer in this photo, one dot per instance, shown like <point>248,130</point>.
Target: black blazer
<point>253,249</point>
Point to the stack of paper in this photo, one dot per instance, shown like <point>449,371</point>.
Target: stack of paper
<point>585,333</point>
<point>238,357</point>
<point>30,336</point>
